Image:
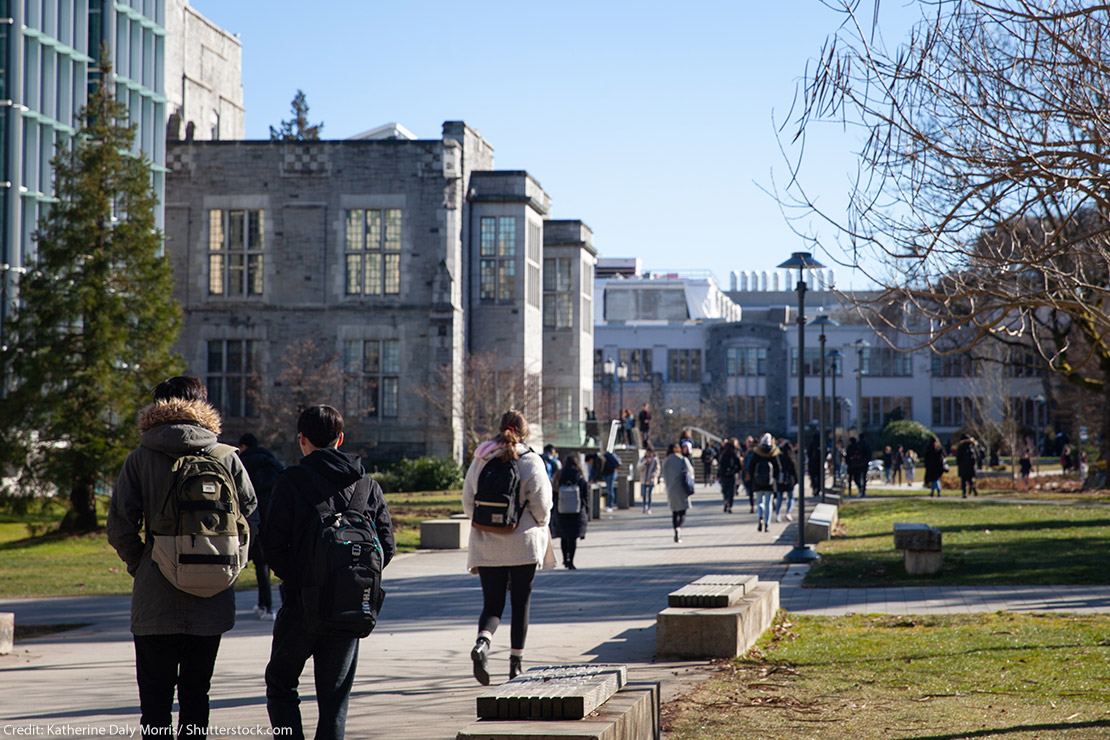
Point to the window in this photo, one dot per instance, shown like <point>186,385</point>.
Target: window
<point>953,411</point>
<point>599,364</point>
<point>373,251</point>
<point>1026,364</point>
<point>811,410</point>
<point>588,299</point>
<point>532,264</point>
<point>235,249</point>
<point>1026,411</point>
<point>877,410</point>
<point>560,404</point>
<point>813,363</point>
<point>887,362</point>
<point>639,364</point>
<point>558,296</point>
<point>371,368</point>
<point>747,409</point>
<point>746,361</point>
<point>233,376</point>
<point>954,366</point>
<point>497,266</point>
<point>685,365</point>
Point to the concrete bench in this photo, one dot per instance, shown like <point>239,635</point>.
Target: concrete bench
<point>7,632</point>
<point>921,547</point>
<point>553,692</point>
<point>821,522</point>
<point>713,592</point>
<point>445,534</point>
<point>633,713</point>
<point>723,632</point>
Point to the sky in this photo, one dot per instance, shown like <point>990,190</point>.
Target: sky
<point>655,123</point>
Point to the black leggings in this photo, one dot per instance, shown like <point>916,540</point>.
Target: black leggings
<point>496,580</point>
<point>568,546</point>
<point>678,518</point>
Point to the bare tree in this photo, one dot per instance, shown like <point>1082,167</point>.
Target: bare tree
<point>309,375</point>
<point>981,198</point>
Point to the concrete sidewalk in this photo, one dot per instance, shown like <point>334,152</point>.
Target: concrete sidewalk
<point>414,679</point>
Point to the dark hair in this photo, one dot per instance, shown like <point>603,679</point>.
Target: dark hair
<point>248,440</point>
<point>181,387</point>
<point>513,430</point>
<point>549,448</point>
<point>321,425</point>
<point>673,448</point>
<point>570,462</point>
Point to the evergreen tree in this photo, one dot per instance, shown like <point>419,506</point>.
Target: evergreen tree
<point>297,128</point>
<point>96,321</point>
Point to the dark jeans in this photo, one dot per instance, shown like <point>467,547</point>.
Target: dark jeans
<point>728,490</point>
<point>262,571</point>
<point>334,661</point>
<point>861,481</point>
<point>163,662</point>
<point>517,580</point>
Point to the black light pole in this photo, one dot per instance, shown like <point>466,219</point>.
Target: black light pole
<point>607,368</point>
<point>622,375</point>
<point>836,356</point>
<point>1038,430</point>
<point>801,261</point>
<point>822,321</point>
<point>860,345</point>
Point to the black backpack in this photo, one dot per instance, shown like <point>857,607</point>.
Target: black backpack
<point>612,462</point>
<point>762,474</point>
<point>341,562</point>
<point>729,466</point>
<point>497,506</point>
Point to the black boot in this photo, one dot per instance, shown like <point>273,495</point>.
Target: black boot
<point>514,666</point>
<point>480,656</point>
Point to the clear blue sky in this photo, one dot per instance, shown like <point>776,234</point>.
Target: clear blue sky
<point>652,122</point>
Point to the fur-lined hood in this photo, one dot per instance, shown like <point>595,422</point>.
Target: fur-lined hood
<point>201,413</point>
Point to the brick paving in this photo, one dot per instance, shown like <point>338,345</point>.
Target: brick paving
<point>414,679</point>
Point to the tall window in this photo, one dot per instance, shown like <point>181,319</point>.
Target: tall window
<point>746,361</point>
<point>558,296</point>
<point>685,365</point>
<point>532,264</point>
<point>371,368</point>
<point>813,363</point>
<point>373,251</point>
<point>497,266</point>
<point>639,364</point>
<point>588,299</point>
<point>747,409</point>
<point>887,362</point>
<point>953,411</point>
<point>876,409</point>
<point>232,376</point>
<point>235,249</point>
<point>954,366</point>
<point>1026,364</point>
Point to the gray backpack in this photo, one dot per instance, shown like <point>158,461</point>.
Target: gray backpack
<point>569,501</point>
<point>200,535</point>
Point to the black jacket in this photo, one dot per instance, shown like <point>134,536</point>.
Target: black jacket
<point>263,468</point>
<point>571,525</point>
<point>293,508</point>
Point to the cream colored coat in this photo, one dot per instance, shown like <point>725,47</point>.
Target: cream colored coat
<point>530,542</point>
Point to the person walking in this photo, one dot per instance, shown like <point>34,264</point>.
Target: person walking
<point>1026,466</point>
<point>788,478</point>
<point>677,470</point>
<point>506,561</point>
<point>610,466</point>
<point>966,461</point>
<point>853,459</point>
<point>747,449</point>
<point>325,481</point>
<point>935,466</point>
<point>176,634</point>
<point>814,467</point>
<point>764,469</point>
<point>644,421</point>
<point>861,460</point>
<point>570,526</point>
<point>628,424</point>
<point>686,442</point>
<point>909,464</point>
<point>263,469</point>
<point>887,457</point>
<point>649,476</point>
<point>551,461</point>
<point>897,462</point>
<point>729,469</point>
<point>708,457</point>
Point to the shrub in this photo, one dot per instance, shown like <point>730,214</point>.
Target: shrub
<point>912,435</point>
<point>420,474</point>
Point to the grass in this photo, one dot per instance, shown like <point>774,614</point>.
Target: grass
<point>1003,676</point>
<point>985,543</point>
<point>37,561</point>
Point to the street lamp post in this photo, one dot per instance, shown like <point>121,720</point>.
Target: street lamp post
<point>1038,429</point>
<point>822,321</point>
<point>801,261</point>
<point>836,356</point>
<point>860,345</point>
<point>607,368</point>
<point>622,375</point>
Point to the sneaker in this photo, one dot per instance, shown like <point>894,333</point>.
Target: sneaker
<point>608,509</point>
<point>648,511</point>
<point>789,517</point>
<point>259,611</point>
<point>778,518</point>
<point>267,616</point>
<point>759,525</point>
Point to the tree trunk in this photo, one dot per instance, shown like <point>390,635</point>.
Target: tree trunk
<point>82,507</point>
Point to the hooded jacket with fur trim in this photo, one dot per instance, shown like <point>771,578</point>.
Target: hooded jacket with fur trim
<point>169,428</point>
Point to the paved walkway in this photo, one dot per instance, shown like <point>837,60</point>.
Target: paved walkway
<point>414,679</point>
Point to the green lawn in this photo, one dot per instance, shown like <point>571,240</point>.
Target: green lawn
<point>1003,676</point>
<point>985,543</point>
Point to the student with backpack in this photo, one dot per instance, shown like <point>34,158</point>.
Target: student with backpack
<point>729,469</point>
<point>649,477</point>
<point>263,469</point>
<point>764,470</point>
<point>507,496</point>
<point>570,513</point>
<point>610,466</point>
<point>327,535</point>
<point>177,631</point>
<point>678,479</point>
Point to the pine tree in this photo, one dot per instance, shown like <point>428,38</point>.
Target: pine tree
<point>297,128</point>
<point>96,322</point>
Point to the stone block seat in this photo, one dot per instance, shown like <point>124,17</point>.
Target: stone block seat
<point>445,534</point>
<point>7,632</point>
<point>921,547</point>
<point>821,522</point>
<point>747,607</point>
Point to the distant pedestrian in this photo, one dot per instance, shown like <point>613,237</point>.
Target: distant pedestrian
<point>935,466</point>
<point>610,466</point>
<point>551,461</point>
<point>649,477</point>
<point>506,561</point>
<point>686,442</point>
<point>764,469</point>
<point>967,459</point>
<point>909,463</point>
<point>814,467</point>
<point>788,478</point>
<point>1026,466</point>
<point>591,428</point>
<point>644,420</point>
<point>729,472</point>
<point>708,457</point>
<point>897,461</point>
<point>888,464</point>
<point>747,449</point>
<point>676,468</point>
<point>628,424</point>
<point>263,469</point>
<point>570,526</point>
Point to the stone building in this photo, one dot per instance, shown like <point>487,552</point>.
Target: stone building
<point>404,258</point>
